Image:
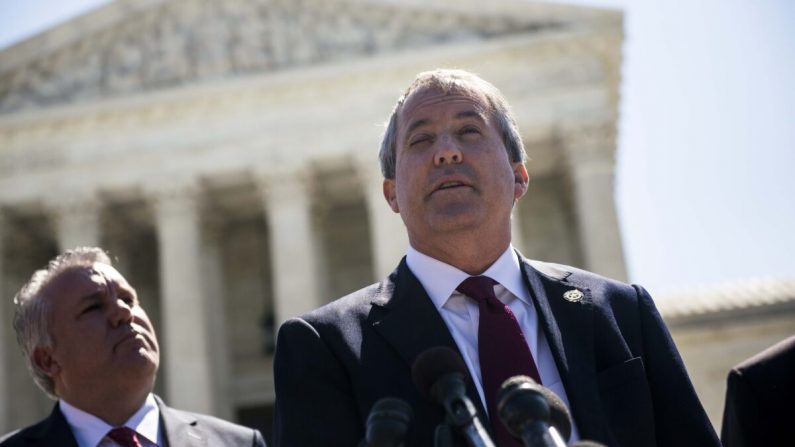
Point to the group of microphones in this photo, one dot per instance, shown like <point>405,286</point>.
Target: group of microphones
<point>531,413</point>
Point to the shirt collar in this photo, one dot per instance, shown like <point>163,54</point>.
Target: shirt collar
<point>89,429</point>
<point>440,280</point>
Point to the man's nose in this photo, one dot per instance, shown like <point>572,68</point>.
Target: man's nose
<point>447,152</point>
<point>121,312</point>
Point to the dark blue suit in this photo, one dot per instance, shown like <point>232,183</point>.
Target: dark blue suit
<point>623,375</point>
<point>759,396</point>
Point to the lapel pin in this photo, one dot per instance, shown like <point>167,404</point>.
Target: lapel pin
<point>573,296</point>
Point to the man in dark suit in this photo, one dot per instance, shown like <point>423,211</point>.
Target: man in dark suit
<point>91,346</point>
<point>759,399</point>
<point>453,164</point>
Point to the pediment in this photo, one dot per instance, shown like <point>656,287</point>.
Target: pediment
<point>131,46</point>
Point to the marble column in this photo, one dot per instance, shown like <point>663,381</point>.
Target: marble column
<point>184,341</point>
<point>212,267</point>
<point>590,151</point>
<point>76,222</point>
<point>388,237</point>
<point>5,340</point>
<point>293,242</point>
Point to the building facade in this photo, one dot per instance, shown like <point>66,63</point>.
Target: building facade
<point>717,327</point>
<point>226,154</point>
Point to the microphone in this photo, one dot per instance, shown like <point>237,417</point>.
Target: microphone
<point>533,413</point>
<point>438,374</point>
<point>388,423</point>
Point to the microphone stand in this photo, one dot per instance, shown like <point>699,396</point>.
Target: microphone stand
<point>444,436</point>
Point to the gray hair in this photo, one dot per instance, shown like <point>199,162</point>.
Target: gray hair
<point>453,81</point>
<point>32,315</point>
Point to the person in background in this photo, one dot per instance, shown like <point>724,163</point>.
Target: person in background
<point>759,396</point>
<point>90,346</point>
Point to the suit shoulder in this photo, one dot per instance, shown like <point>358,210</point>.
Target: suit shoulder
<point>220,431</point>
<point>776,361</point>
<point>22,436</point>
<point>13,438</point>
<point>52,429</point>
<point>354,306</point>
<point>583,278</point>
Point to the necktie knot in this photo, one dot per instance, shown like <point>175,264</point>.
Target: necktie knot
<point>479,288</point>
<point>124,436</point>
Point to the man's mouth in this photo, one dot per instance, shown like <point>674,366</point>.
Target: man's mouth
<point>446,185</point>
<point>133,336</point>
<point>449,185</point>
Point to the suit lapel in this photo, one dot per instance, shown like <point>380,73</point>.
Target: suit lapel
<point>406,318</point>
<point>180,429</point>
<point>568,327</point>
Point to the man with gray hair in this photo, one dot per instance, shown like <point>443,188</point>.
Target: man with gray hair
<point>90,345</point>
<point>453,166</point>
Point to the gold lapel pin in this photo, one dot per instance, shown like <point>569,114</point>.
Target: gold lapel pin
<point>573,296</point>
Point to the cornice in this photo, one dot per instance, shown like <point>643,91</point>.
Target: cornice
<point>163,44</point>
<point>218,97</point>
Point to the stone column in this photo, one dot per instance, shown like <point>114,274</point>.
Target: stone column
<point>293,244</point>
<point>590,150</point>
<point>76,222</point>
<point>388,237</point>
<point>212,267</point>
<point>5,340</point>
<point>184,341</point>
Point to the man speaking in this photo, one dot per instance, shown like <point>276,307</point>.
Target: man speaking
<point>453,166</point>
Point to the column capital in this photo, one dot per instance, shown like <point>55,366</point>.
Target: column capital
<point>64,204</point>
<point>173,196</point>
<point>277,185</point>
<point>76,218</point>
<point>589,144</point>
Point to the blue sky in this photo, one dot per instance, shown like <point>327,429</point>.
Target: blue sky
<point>706,156</point>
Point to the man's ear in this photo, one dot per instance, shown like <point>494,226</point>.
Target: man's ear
<point>390,194</point>
<point>520,180</point>
<point>45,362</point>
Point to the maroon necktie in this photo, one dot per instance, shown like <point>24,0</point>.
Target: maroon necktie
<point>502,349</point>
<point>124,436</point>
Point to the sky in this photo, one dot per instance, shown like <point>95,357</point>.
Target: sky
<point>705,170</point>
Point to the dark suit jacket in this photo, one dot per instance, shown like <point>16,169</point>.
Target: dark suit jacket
<point>181,429</point>
<point>759,399</point>
<point>623,375</point>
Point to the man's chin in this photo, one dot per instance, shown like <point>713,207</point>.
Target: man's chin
<point>456,216</point>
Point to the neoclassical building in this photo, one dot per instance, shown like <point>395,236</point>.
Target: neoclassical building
<point>717,327</point>
<point>226,154</point>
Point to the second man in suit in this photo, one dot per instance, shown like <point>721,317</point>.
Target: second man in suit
<point>90,345</point>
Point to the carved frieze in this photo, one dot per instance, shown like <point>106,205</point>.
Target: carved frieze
<point>183,41</point>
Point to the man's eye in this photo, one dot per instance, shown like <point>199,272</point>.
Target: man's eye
<point>91,308</point>
<point>470,130</point>
<point>420,140</point>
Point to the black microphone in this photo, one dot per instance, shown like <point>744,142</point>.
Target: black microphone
<point>388,423</point>
<point>438,374</point>
<point>533,413</point>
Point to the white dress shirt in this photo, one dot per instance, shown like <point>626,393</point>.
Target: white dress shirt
<point>461,314</point>
<point>90,430</point>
